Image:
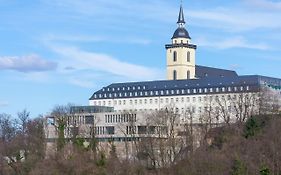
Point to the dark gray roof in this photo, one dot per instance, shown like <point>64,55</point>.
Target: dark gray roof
<point>181,32</point>
<point>207,78</point>
<point>181,16</point>
<point>184,87</point>
<point>209,72</point>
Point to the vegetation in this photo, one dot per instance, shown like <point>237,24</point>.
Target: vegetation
<point>247,148</point>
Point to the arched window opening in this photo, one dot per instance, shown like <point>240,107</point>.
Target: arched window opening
<point>188,74</point>
<point>174,75</point>
<point>175,56</point>
<point>188,57</point>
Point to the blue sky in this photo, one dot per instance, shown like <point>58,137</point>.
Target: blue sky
<point>61,51</point>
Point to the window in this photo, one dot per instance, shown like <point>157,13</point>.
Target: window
<point>217,89</point>
<point>188,74</point>
<point>194,91</point>
<point>174,75</point>
<point>175,56</point>
<point>188,57</point>
<point>229,89</point>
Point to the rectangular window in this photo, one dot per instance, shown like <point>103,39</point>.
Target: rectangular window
<point>194,99</point>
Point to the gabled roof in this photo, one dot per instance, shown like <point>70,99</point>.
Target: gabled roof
<point>210,72</point>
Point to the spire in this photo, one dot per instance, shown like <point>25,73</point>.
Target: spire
<point>181,21</point>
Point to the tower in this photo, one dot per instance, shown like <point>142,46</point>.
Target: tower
<point>181,53</point>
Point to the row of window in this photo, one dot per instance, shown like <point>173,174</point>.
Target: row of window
<point>175,75</point>
<point>163,100</point>
<point>175,56</point>
<point>124,88</point>
<point>120,118</point>
<point>190,109</point>
<point>172,92</point>
<point>104,130</point>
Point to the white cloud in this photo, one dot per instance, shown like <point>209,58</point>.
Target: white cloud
<point>236,19</point>
<point>29,63</point>
<point>235,42</point>
<point>82,83</point>
<point>3,103</point>
<point>92,38</point>
<point>83,60</point>
<point>265,4</point>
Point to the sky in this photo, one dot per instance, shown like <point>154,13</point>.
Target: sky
<point>54,52</point>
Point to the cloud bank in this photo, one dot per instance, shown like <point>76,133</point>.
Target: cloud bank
<point>30,63</point>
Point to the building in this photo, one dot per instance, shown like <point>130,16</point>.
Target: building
<point>194,94</point>
<point>187,84</point>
